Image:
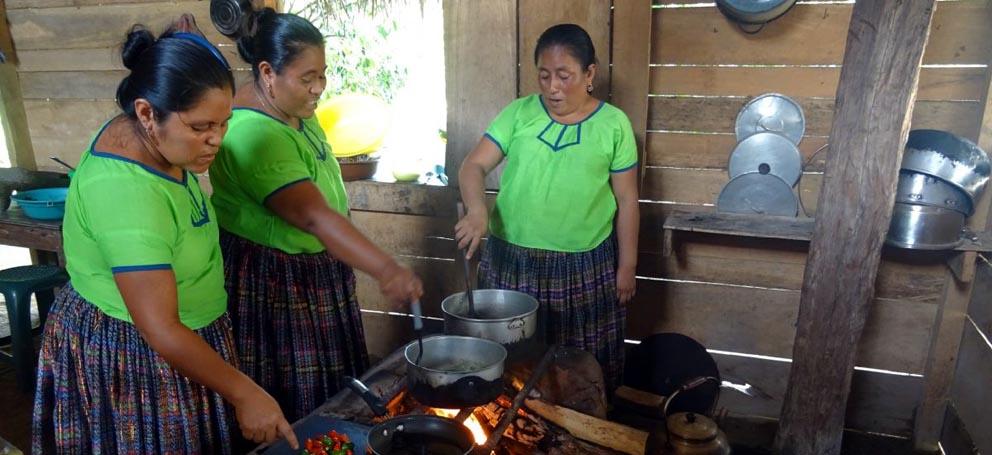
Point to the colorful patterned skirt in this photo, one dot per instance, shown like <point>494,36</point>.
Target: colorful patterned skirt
<point>577,292</point>
<point>102,389</point>
<point>296,320</point>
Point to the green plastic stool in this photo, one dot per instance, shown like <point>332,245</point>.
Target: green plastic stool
<point>17,284</point>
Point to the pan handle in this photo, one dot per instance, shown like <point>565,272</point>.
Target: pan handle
<point>374,402</point>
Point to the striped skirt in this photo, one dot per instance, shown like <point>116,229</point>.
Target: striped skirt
<point>296,319</point>
<point>577,292</point>
<point>101,389</point>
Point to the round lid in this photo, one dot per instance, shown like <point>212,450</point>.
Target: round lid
<point>692,427</point>
<point>768,153</point>
<point>757,193</point>
<point>771,112</point>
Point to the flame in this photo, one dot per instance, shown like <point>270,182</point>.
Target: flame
<point>471,423</point>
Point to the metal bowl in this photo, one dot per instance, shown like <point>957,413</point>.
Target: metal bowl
<point>758,194</point>
<point>922,189</point>
<point>922,227</point>
<point>754,11</point>
<point>769,153</point>
<point>771,112</point>
<point>951,158</point>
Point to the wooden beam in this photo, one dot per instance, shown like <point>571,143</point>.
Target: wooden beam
<point>871,123</point>
<point>630,76</point>
<point>480,73</point>
<point>14,120</point>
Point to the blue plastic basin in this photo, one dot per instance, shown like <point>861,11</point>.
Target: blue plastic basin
<point>42,204</point>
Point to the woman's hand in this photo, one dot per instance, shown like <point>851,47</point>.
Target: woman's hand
<point>399,284</point>
<point>261,420</point>
<point>626,284</point>
<point>470,230</point>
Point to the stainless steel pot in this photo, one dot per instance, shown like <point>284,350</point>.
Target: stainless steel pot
<point>922,189</point>
<point>506,317</point>
<point>455,371</point>
<point>922,227</point>
<point>951,158</point>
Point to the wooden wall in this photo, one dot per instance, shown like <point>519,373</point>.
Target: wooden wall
<point>682,74</point>
<point>69,63</point>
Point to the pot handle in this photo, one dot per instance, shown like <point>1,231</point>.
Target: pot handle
<point>516,323</point>
<point>375,404</point>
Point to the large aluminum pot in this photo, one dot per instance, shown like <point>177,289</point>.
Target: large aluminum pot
<point>455,372</point>
<point>951,158</point>
<point>923,227</point>
<point>923,189</point>
<point>506,317</point>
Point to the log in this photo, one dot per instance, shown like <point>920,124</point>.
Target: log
<point>639,402</point>
<point>871,123</point>
<point>588,428</point>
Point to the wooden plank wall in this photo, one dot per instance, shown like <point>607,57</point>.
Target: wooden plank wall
<point>969,393</point>
<point>70,63</point>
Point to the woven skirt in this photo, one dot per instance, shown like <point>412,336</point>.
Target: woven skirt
<point>102,390</point>
<point>577,293</point>
<point>297,323</point>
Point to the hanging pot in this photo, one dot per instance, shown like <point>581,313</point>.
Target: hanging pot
<point>752,15</point>
<point>506,317</point>
<point>950,158</point>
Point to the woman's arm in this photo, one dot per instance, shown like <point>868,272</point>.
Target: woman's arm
<point>151,299</point>
<point>303,206</point>
<point>471,183</point>
<point>628,223</point>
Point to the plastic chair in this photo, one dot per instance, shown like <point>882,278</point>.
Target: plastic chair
<point>17,284</point>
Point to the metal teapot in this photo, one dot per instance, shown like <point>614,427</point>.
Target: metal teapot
<point>693,434</point>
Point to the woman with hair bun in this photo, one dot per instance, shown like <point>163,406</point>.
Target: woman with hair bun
<point>288,245</point>
<point>138,354</point>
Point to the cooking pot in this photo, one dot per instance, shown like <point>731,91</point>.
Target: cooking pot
<point>506,317</point>
<point>455,372</point>
<point>415,433</point>
<point>754,12</point>
<point>923,227</point>
<point>923,189</point>
<point>948,157</point>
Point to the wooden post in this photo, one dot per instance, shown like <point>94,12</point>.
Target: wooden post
<point>630,78</point>
<point>949,323</point>
<point>874,106</point>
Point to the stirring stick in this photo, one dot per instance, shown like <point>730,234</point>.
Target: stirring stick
<point>468,272</point>
<point>418,328</point>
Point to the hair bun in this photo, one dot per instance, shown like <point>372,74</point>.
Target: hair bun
<point>230,16</point>
<point>138,40</point>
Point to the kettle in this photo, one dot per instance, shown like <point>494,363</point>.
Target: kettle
<point>693,434</point>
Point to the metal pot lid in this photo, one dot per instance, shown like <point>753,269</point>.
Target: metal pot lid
<point>758,194</point>
<point>768,153</point>
<point>771,112</point>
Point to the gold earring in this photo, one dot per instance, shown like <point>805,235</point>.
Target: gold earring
<point>271,95</point>
<point>589,88</point>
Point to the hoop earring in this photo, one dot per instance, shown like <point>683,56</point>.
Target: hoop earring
<point>589,88</point>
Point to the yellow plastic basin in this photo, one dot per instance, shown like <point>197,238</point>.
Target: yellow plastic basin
<point>355,124</point>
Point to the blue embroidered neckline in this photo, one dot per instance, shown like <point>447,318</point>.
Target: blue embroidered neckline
<point>560,136</point>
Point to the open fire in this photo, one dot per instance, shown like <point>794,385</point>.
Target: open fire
<point>472,423</point>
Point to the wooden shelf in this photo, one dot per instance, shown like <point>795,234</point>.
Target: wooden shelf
<point>798,229</point>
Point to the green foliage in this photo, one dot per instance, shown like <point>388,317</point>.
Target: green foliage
<point>358,57</point>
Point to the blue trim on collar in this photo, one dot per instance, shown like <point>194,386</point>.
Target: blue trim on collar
<point>625,169</point>
<point>540,99</point>
<point>144,166</point>
<point>141,268</point>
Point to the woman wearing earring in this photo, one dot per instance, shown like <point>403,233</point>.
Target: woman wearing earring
<point>288,245</point>
<point>564,228</point>
<point>137,352</point>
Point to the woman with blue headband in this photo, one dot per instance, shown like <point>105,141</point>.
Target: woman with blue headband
<point>138,354</point>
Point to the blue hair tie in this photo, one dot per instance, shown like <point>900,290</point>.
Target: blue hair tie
<point>203,42</point>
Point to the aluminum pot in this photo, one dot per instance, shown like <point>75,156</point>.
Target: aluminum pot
<point>951,158</point>
<point>506,317</point>
<point>455,372</point>
<point>922,227</point>
<point>922,189</point>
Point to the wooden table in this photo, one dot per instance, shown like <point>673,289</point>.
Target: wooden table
<point>16,229</point>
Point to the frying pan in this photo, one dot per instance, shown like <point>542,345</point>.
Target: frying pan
<point>418,434</point>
